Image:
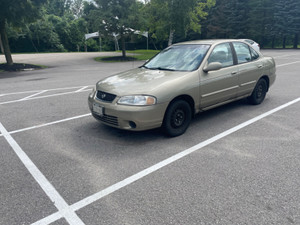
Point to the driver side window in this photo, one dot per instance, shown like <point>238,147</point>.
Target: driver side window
<point>222,53</point>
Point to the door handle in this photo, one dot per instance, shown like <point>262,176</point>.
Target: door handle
<point>259,66</point>
<point>234,73</point>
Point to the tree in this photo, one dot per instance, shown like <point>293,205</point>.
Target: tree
<point>58,7</point>
<point>237,12</point>
<point>1,46</point>
<point>294,21</point>
<point>281,19</point>
<point>115,17</point>
<point>77,8</point>
<point>216,26</point>
<point>260,21</point>
<point>17,13</point>
<point>170,17</point>
<point>43,36</point>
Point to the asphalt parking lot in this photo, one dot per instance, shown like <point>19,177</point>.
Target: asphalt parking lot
<point>236,164</point>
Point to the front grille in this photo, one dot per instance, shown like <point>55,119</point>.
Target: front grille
<point>107,119</point>
<point>106,97</point>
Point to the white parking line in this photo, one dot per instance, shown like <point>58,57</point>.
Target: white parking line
<point>18,93</point>
<point>64,210</point>
<point>282,56</point>
<point>286,64</point>
<point>81,89</point>
<point>97,196</point>
<point>45,96</point>
<point>30,96</point>
<point>54,89</point>
<point>59,202</point>
<point>48,124</point>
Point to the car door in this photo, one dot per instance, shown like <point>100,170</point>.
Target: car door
<point>220,85</point>
<point>250,68</point>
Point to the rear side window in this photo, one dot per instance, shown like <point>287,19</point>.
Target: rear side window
<point>254,54</point>
<point>242,52</point>
<point>222,53</point>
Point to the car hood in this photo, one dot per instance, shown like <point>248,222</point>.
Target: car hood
<point>138,81</point>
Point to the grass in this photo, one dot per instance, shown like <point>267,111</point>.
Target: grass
<point>143,54</point>
<point>139,55</point>
<point>19,67</point>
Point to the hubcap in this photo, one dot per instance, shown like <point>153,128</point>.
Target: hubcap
<point>179,117</point>
<point>260,91</point>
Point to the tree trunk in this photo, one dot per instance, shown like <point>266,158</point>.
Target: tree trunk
<point>296,41</point>
<point>1,46</point>
<point>4,40</point>
<point>262,43</point>
<point>123,46</point>
<point>171,36</point>
<point>284,42</point>
<point>273,42</point>
<point>153,43</point>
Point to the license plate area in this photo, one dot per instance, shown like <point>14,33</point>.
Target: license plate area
<point>99,110</point>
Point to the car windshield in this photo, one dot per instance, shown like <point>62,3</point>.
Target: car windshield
<point>179,58</point>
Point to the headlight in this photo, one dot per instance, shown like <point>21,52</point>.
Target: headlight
<point>137,100</point>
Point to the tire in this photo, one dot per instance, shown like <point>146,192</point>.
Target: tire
<point>259,93</point>
<point>177,118</point>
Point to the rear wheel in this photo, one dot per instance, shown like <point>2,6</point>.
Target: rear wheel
<point>177,118</point>
<point>259,93</point>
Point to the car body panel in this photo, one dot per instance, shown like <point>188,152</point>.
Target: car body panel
<point>218,86</point>
<point>248,75</point>
<point>157,82</point>
<point>144,117</point>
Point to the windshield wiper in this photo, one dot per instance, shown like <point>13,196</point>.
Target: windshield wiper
<point>160,68</point>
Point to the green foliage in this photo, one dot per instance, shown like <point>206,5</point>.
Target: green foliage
<point>57,30</point>
<point>92,45</point>
<point>199,14</point>
<point>287,20</point>
<point>141,55</point>
<point>16,13</point>
<point>260,22</point>
<point>58,7</point>
<point>20,12</point>
<point>60,25</point>
<point>115,17</point>
<point>216,25</point>
<point>63,7</point>
<point>266,21</point>
<point>176,16</point>
<point>42,36</point>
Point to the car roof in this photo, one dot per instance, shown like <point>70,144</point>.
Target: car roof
<point>209,42</point>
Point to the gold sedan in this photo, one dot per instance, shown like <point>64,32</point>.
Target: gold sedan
<point>182,80</point>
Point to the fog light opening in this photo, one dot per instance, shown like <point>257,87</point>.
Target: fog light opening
<point>132,124</point>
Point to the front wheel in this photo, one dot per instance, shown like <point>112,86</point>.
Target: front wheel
<point>259,93</point>
<point>177,118</point>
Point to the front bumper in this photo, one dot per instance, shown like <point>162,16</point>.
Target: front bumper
<point>136,118</point>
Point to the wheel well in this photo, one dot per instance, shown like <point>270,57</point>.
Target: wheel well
<point>188,99</point>
<point>266,78</point>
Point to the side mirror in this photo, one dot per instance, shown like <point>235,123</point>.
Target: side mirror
<point>212,67</point>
